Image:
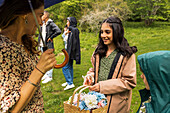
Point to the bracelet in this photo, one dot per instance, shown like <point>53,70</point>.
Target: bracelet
<point>39,70</point>
<point>32,83</point>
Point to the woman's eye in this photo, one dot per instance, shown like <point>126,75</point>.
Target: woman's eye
<point>108,32</point>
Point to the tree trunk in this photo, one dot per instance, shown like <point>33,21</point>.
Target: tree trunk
<point>148,22</point>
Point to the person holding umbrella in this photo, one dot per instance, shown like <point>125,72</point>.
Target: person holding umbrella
<point>20,69</point>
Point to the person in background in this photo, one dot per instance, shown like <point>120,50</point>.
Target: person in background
<point>155,68</point>
<point>114,67</point>
<point>20,68</point>
<point>65,36</point>
<point>73,49</point>
<point>49,31</point>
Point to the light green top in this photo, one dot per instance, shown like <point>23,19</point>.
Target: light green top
<point>105,65</point>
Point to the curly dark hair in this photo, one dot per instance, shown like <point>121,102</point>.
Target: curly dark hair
<point>119,40</point>
<point>9,11</point>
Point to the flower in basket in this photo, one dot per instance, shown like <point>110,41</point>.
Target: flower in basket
<point>75,98</point>
<point>93,100</point>
<point>90,101</point>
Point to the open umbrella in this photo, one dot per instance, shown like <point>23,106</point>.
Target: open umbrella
<point>48,3</point>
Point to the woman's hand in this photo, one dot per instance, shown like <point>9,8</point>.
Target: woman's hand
<point>91,70</point>
<point>49,40</point>
<point>95,87</point>
<point>67,32</point>
<point>88,80</point>
<point>47,61</point>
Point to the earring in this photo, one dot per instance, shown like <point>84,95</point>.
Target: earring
<point>26,21</point>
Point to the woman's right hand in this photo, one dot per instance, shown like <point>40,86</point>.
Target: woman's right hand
<point>47,61</point>
<point>88,80</point>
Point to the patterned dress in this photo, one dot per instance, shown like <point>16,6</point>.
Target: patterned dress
<point>15,67</point>
<point>105,65</point>
<point>143,107</point>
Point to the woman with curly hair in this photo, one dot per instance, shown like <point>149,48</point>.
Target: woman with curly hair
<point>20,69</point>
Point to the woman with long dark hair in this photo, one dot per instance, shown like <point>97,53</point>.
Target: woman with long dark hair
<point>114,63</point>
<point>20,69</point>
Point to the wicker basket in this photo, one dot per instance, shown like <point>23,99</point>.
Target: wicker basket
<point>69,108</point>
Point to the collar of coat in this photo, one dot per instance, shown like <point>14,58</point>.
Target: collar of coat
<point>117,71</point>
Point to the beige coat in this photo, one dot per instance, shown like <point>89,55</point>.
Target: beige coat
<point>120,88</point>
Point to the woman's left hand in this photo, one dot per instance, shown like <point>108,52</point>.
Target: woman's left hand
<point>95,87</point>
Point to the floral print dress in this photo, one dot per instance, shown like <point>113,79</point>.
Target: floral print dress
<point>15,67</point>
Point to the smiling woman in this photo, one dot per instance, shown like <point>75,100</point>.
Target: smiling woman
<point>20,69</point>
<point>114,66</point>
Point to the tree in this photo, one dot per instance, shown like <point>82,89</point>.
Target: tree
<point>68,8</point>
<point>150,10</point>
<point>101,10</point>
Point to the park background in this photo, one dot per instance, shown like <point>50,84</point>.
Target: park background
<point>146,24</point>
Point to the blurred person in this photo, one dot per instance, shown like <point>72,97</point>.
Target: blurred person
<point>20,69</point>
<point>65,36</point>
<point>49,31</point>
<point>73,49</point>
<point>155,68</point>
<point>114,67</point>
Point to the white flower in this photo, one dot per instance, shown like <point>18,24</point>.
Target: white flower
<point>91,101</point>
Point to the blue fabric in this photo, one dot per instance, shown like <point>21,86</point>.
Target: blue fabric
<point>48,3</point>
<point>68,72</point>
<point>1,2</point>
<point>82,105</point>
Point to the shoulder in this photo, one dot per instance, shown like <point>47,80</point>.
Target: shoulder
<point>130,61</point>
<point>51,22</point>
<point>9,50</point>
<point>132,57</point>
<point>4,44</point>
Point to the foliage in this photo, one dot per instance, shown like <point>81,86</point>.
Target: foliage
<point>147,39</point>
<point>90,13</point>
<point>149,10</point>
<point>101,10</point>
<point>61,11</point>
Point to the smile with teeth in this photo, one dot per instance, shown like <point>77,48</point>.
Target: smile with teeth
<point>106,39</point>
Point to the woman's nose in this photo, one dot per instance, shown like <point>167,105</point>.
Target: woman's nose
<point>103,35</point>
<point>141,76</point>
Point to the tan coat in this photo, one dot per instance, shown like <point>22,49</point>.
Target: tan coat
<point>120,88</point>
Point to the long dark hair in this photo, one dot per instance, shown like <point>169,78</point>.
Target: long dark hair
<point>9,12</point>
<point>119,40</point>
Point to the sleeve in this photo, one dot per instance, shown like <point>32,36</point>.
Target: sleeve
<point>10,81</point>
<point>127,81</point>
<point>91,70</point>
<point>56,30</point>
<point>78,53</point>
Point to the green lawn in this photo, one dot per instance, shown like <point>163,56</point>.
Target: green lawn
<point>146,39</point>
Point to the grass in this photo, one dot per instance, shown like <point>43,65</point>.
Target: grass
<point>146,39</point>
